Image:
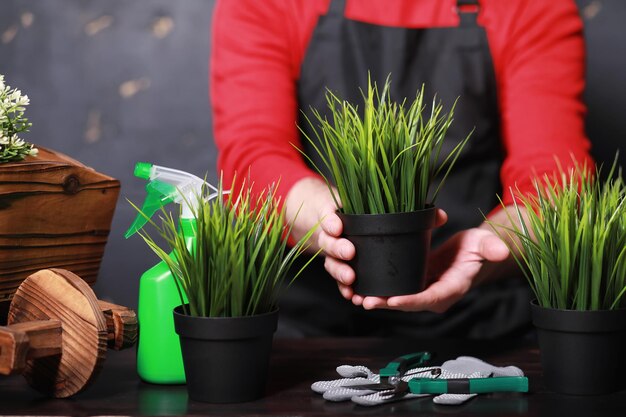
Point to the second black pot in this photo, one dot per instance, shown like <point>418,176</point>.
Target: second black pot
<point>391,250</point>
<point>582,352</point>
<point>226,359</point>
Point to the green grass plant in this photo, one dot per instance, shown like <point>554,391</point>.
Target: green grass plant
<point>572,243</point>
<point>385,159</point>
<point>240,262</point>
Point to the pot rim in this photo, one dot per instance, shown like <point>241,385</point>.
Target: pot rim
<point>177,310</point>
<point>578,321</point>
<point>408,222</point>
<point>428,208</point>
<point>225,328</point>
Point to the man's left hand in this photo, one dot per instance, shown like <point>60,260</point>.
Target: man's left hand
<point>464,260</point>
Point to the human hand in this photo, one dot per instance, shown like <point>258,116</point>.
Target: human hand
<point>345,275</point>
<point>310,202</point>
<point>467,258</point>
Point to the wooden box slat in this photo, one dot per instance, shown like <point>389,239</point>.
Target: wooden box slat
<point>54,213</point>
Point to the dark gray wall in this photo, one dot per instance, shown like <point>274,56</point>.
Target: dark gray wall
<point>114,82</point>
<point>605,35</point>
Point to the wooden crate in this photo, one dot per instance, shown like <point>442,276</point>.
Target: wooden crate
<point>54,213</point>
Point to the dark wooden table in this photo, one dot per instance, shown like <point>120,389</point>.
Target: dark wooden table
<point>296,363</point>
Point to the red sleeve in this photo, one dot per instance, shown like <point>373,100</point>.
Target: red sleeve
<point>253,93</point>
<point>539,61</point>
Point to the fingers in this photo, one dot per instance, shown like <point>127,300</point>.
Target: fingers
<point>441,218</point>
<point>438,297</point>
<point>337,248</point>
<point>492,248</point>
<point>371,303</point>
<point>330,222</point>
<point>357,300</point>
<point>309,203</point>
<point>339,270</point>
<point>345,290</point>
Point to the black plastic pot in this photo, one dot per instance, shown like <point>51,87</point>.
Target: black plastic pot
<point>226,359</point>
<point>391,250</point>
<point>582,352</point>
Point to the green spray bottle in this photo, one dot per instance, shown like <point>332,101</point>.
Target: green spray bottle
<point>159,358</point>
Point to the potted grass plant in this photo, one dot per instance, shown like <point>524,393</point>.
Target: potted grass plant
<point>231,280</point>
<point>570,241</point>
<point>383,160</point>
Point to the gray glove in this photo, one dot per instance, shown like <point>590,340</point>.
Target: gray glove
<point>461,367</point>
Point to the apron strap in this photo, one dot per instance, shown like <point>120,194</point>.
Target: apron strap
<point>467,11</point>
<point>337,8</point>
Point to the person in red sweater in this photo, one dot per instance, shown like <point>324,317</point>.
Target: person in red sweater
<point>517,67</point>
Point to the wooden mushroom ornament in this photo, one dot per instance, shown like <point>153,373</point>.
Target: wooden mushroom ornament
<point>58,333</point>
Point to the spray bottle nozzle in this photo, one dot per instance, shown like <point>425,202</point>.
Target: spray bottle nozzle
<point>143,170</point>
<point>165,186</point>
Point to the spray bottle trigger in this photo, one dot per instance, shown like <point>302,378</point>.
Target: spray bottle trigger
<point>155,200</point>
<point>164,190</point>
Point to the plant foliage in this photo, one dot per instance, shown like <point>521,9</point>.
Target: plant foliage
<point>385,160</point>
<point>572,246</point>
<point>240,260</point>
<point>12,122</point>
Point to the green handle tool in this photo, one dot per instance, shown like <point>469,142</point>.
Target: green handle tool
<point>395,369</point>
<point>468,385</point>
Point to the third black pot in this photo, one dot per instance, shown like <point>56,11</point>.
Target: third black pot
<point>391,250</point>
<point>226,359</point>
<point>582,352</point>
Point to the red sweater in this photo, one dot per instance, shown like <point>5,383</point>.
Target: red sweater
<point>258,47</point>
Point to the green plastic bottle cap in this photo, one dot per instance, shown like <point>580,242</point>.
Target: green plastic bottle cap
<point>143,170</point>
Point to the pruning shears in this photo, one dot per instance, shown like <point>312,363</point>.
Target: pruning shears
<point>392,384</point>
<point>391,375</point>
<point>397,368</point>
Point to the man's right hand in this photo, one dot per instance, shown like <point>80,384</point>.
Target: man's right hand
<point>310,202</point>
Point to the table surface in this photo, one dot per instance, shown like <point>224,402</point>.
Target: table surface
<point>295,364</point>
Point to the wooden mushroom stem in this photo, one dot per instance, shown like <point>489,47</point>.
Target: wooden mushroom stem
<point>21,342</point>
<point>121,325</point>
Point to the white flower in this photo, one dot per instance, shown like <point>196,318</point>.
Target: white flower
<point>12,122</point>
<point>23,101</point>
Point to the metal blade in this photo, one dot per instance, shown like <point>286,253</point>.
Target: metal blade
<point>371,387</point>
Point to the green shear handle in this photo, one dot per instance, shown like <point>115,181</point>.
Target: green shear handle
<point>468,385</point>
<point>399,366</point>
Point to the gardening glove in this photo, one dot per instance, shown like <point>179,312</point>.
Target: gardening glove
<point>462,367</point>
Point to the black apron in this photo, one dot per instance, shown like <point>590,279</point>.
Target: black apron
<point>452,62</point>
